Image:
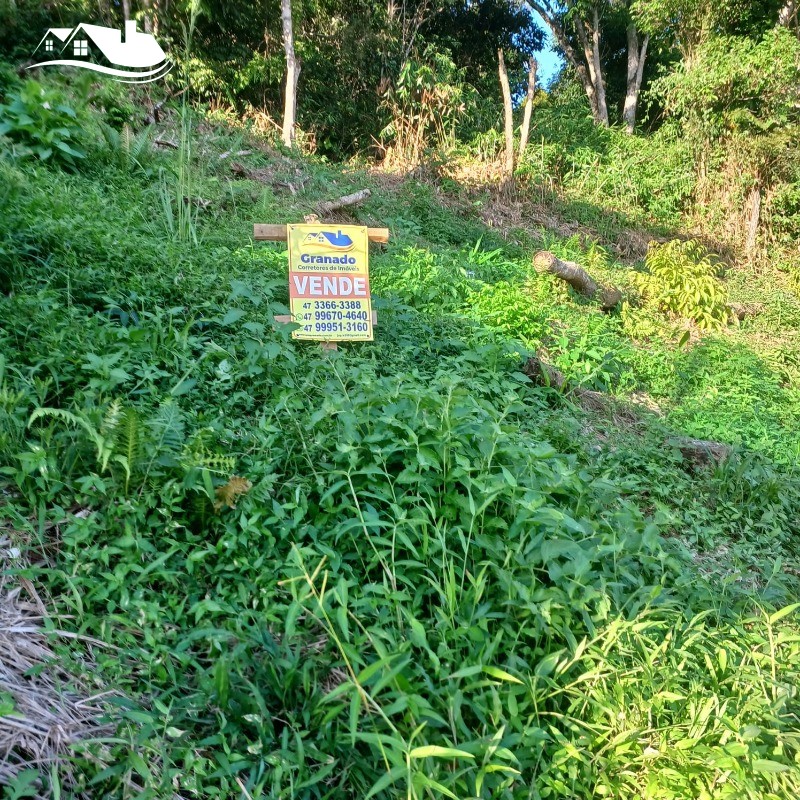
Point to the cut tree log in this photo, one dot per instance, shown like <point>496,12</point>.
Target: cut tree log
<point>344,202</point>
<point>743,310</point>
<point>544,374</point>
<point>577,277</point>
<point>701,451</point>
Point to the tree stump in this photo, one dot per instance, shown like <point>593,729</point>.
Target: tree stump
<point>578,278</point>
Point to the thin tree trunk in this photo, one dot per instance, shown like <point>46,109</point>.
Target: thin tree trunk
<point>636,59</point>
<point>292,72</point>
<point>126,9</point>
<point>507,113</point>
<point>526,118</point>
<point>755,217</point>
<point>595,89</point>
<point>602,108</point>
<point>149,16</point>
<point>787,13</point>
<point>589,79</point>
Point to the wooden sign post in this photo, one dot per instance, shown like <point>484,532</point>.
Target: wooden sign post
<point>329,293</point>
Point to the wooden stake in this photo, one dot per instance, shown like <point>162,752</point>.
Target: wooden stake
<point>277,233</point>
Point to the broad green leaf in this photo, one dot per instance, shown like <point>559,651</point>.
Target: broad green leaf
<point>386,780</point>
<point>502,675</point>
<point>765,765</point>
<point>434,751</point>
<point>783,612</point>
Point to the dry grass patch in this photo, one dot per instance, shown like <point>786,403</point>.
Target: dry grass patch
<point>44,709</point>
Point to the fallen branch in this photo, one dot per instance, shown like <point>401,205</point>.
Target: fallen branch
<point>577,277</point>
<point>227,153</point>
<point>700,452</point>
<point>166,143</point>
<point>154,115</point>
<point>344,202</point>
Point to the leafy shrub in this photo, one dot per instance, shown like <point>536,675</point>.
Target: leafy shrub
<point>586,364</point>
<point>509,308</point>
<point>424,105</point>
<point>116,104</point>
<point>36,119</point>
<point>682,281</point>
<point>424,280</point>
<point>726,87</point>
<point>495,265</point>
<point>785,213</point>
<point>127,150</point>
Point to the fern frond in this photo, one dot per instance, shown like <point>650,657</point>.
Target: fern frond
<point>129,442</point>
<point>111,419</point>
<point>126,137</point>
<point>111,135</point>
<point>97,439</point>
<point>167,430</point>
<point>194,457</point>
<point>139,147</point>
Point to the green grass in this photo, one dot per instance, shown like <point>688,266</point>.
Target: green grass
<point>442,581</point>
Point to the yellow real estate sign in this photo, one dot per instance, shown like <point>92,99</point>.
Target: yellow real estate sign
<point>329,282</point>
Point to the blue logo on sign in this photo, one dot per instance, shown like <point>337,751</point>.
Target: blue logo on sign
<point>337,240</point>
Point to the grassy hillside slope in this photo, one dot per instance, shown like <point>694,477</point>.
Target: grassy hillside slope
<point>399,570</point>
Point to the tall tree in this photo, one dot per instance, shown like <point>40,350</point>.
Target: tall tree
<point>637,53</point>
<point>508,114</point>
<point>571,20</point>
<point>292,73</point>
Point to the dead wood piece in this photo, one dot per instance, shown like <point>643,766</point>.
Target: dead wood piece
<point>344,202</point>
<point>155,115</point>
<point>166,143</point>
<point>227,153</point>
<point>619,412</point>
<point>277,233</point>
<point>543,374</point>
<point>268,176</point>
<point>701,452</point>
<point>742,310</point>
<point>577,277</point>
<point>293,188</point>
